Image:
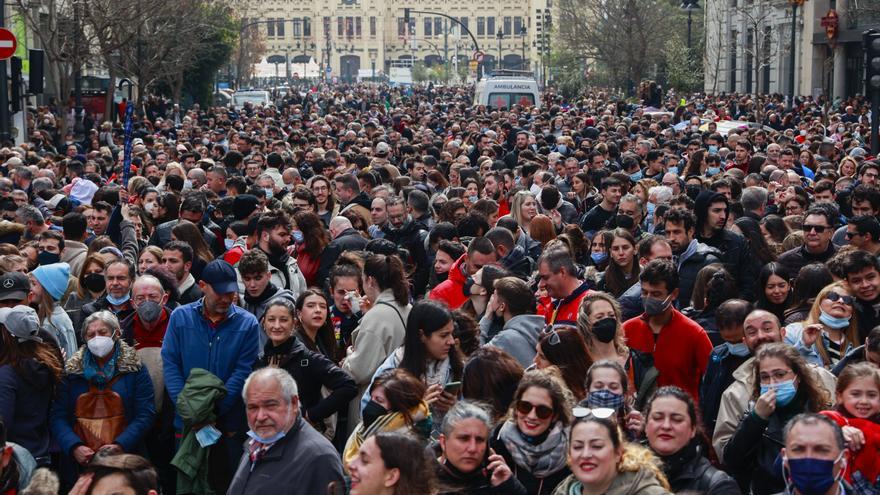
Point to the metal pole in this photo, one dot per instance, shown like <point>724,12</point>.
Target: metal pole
<point>446,49</point>
<point>875,122</point>
<point>77,78</point>
<point>794,7</point>
<point>689,31</point>
<point>4,97</point>
<point>498,64</point>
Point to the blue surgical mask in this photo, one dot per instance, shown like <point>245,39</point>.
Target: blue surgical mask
<point>785,392</point>
<point>713,171</point>
<point>811,476</point>
<point>207,436</point>
<point>651,207</point>
<point>833,321</point>
<point>298,236</point>
<point>673,169</point>
<point>739,350</point>
<point>562,149</point>
<point>228,243</point>
<point>713,150</point>
<point>266,441</point>
<point>269,193</point>
<point>636,176</point>
<point>599,258</point>
<point>118,301</point>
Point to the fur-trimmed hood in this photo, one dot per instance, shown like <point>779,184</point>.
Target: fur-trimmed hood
<point>127,362</point>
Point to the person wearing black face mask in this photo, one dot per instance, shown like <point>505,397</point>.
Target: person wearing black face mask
<point>513,306</point>
<point>396,405</point>
<point>51,245</point>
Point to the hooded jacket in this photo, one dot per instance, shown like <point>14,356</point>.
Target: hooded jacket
<point>451,290</point>
<point>412,237</point>
<point>690,267</point>
<point>638,474</point>
<point>25,397</point>
<point>518,263</point>
<point>519,337</point>
<point>733,248</point>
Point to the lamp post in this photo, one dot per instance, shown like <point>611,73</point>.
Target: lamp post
<point>794,6</point>
<point>689,6</point>
<point>500,35</point>
<point>522,33</point>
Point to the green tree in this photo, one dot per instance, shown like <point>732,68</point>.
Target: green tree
<point>420,73</point>
<point>684,71</point>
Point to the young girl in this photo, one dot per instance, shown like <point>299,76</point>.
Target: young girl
<point>858,413</point>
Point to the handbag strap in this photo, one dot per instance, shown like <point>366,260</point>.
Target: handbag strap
<point>384,303</point>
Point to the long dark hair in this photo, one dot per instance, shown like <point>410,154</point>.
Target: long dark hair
<point>189,233</point>
<point>491,375</point>
<point>425,318</point>
<point>403,391</point>
<point>751,230</point>
<point>769,270</point>
<point>408,456</point>
<point>570,355</point>
<point>692,410</point>
<point>809,387</point>
<point>616,281</point>
<point>809,281</point>
<point>389,274</point>
<point>314,234</point>
<point>15,353</point>
<point>326,335</point>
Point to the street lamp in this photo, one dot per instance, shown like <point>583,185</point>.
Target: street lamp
<point>794,6</point>
<point>689,6</point>
<point>522,33</point>
<point>500,35</point>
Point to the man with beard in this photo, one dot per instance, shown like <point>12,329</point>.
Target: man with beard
<point>273,239</point>
<point>402,230</point>
<point>711,209</point>
<point>177,258</point>
<point>513,302</point>
<point>760,327</point>
<point>690,255</point>
<point>522,143</point>
<point>493,188</point>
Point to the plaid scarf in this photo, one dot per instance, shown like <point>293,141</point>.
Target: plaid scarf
<point>541,460</point>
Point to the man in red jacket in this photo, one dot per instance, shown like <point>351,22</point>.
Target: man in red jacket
<point>480,252</point>
<point>679,345</point>
<point>558,275</point>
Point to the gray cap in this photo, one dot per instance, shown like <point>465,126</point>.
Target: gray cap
<point>21,322</point>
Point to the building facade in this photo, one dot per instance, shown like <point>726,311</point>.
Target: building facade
<point>748,46</point>
<point>351,39</point>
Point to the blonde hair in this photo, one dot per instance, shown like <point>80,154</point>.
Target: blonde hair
<point>850,333</point>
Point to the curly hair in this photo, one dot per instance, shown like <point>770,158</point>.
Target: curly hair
<point>818,399</point>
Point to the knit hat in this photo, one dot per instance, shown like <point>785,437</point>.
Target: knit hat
<point>53,278</point>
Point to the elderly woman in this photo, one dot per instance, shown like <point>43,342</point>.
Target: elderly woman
<point>105,400</point>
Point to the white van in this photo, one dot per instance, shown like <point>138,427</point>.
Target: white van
<point>256,97</point>
<point>506,88</point>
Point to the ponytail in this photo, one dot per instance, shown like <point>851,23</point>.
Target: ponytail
<point>389,273</point>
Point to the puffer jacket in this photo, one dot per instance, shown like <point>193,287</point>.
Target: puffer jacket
<point>687,272</point>
<point>638,474</point>
<point>451,290</point>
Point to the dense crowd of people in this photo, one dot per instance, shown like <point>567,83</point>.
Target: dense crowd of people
<point>368,290</point>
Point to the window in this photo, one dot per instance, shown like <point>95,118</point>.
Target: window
<point>279,27</point>
<point>372,26</point>
<point>349,27</point>
<point>464,21</point>
<point>358,27</point>
<point>297,28</point>
<point>307,27</point>
<point>438,26</point>
<point>481,26</point>
<point>732,55</point>
<point>401,27</point>
<point>270,29</point>
<point>517,26</point>
<point>751,59</point>
<point>429,23</point>
<point>490,26</point>
<point>326,27</point>
<point>340,26</point>
<point>508,26</point>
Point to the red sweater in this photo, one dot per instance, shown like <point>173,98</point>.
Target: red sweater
<point>865,460</point>
<point>681,351</point>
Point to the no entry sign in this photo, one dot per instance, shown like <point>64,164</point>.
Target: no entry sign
<point>8,43</point>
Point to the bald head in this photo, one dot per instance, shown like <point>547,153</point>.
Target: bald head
<point>761,327</point>
<point>338,225</point>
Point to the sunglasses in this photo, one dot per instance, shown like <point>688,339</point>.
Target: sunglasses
<point>818,228</point>
<point>542,412</point>
<point>834,297</point>
<point>850,235</point>
<point>599,412</point>
<point>552,335</point>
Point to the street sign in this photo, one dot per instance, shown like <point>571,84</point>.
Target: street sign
<point>478,56</point>
<point>8,44</point>
<point>329,69</point>
<point>473,65</point>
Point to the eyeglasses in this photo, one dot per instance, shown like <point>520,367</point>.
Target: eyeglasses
<point>834,297</point>
<point>599,412</point>
<point>850,235</point>
<point>542,412</point>
<point>820,229</point>
<point>778,376</point>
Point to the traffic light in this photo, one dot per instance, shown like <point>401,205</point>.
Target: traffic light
<point>406,16</point>
<point>872,59</point>
<point>15,94</point>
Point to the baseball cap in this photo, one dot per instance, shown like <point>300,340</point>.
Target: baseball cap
<point>382,149</point>
<point>220,276</point>
<point>21,322</point>
<point>14,286</point>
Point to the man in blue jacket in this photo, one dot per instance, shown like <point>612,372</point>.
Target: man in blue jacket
<point>217,336</point>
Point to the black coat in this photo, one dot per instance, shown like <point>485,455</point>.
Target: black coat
<point>687,272</point>
<point>311,371</point>
<point>737,259</point>
<point>412,237</point>
<point>348,240</point>
<point>692,473</point>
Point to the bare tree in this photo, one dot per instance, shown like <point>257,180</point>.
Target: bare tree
<point>626,37</point>
<point>714,53</point>
<point>249,51</point>
<point>759,38</point>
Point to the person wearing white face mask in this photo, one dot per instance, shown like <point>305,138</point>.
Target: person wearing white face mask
<point>105,400</point>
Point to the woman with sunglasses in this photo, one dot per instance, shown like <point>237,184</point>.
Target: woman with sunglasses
<point>784,386</point>
<point>675,435</point>
<point>533,440</point>
<point>602,462</point>
<point>564,348</point>
<point>829,332</point>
